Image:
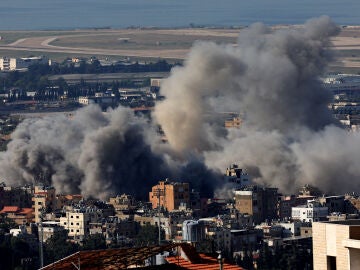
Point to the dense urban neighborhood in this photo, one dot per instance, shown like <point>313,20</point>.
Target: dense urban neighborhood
<point>146,164</point>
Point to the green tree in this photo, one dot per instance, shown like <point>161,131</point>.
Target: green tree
<point>6,223</point>
<point>94,242</point>
<point>58,247</point>
<point>149,235</point>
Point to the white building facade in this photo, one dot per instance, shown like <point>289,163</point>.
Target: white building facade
<point>311,212</point>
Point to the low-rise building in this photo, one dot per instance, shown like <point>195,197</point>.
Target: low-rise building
<point>78,222</point>
<point>311,212</point>
<point>78,218</point>
<point>100,100</point>
<point>333,203</point>
<point>18,196</point>
<point>11,64</point>
<point>48,229</point>
<point>20,216</point>
<point>123,202</point>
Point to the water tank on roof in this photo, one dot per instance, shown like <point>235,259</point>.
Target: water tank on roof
<point>193,231</point>
<point>160,258</point>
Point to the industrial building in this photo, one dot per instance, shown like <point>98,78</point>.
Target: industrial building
<point>12,64</point>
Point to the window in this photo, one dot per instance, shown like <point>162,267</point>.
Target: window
<point>64,223</point>
<point>77,216</point>
<point>77,224</point>
<point>77,230</point>
<point>331,262</point>
<point>71,223</point>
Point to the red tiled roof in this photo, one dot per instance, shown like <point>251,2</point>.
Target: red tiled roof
<point>10,209</point>
<point>73,196</point>
<point>26,211</point>
<point>207,263</point>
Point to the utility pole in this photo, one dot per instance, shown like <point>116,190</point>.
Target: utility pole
<point>41,215</point>
<point>158,193</point>
<point>220,259</point>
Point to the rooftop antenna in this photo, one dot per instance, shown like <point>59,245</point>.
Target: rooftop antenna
<point>158,193</point>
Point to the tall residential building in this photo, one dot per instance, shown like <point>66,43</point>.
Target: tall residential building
<point>44,200</point>
<point>171,195</point>
<point>336,245</point>
<point>260,202</point>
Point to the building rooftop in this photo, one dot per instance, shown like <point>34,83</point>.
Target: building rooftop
<point>348,222</point>
<point>207,263</point>
<point>16,209</point>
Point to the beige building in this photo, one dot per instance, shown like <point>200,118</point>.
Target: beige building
<point>20,216</point>
<point>78,220</point>
<point>234,122</point>
<point>336,245</point>
<point>123,202</point>
<point>44,199</point>
<point>257,201</point>
<point>156,82</point>
<point>10,64</point>
<point>78,223</point>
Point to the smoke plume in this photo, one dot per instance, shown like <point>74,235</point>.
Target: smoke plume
<point>94,153</point>
<point>270,77</point>
<point>289,137</point>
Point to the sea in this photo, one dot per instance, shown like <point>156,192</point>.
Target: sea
<point>81,14</point>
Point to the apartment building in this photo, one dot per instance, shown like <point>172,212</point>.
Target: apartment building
<point>336,245</point>
<point>171,195</point>
<point>44,200</point>
<point>77,222</point>
<point>312,211</point>
<point>260,202</point>
<point>15,196</point>
<point>20,216</point>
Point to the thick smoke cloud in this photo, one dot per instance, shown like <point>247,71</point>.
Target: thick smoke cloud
<point>288,138</point>
<point>94,153</point>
